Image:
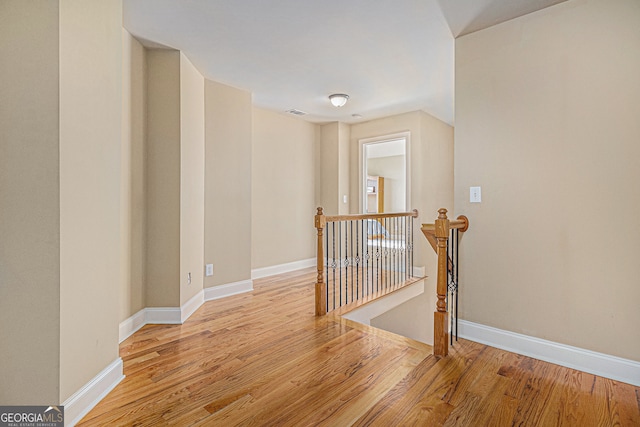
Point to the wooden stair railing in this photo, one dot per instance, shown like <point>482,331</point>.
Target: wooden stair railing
<point>321,224</point>
<point>437,235</point>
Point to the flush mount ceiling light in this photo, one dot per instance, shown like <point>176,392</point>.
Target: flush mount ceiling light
<point>338,99</point>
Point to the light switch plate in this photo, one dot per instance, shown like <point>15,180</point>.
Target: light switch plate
<point>475,194</point>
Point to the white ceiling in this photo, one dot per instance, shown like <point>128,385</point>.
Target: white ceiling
<point>390,56</point>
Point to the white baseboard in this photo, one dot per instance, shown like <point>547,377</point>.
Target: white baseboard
<point>258,273</point>
<point>217,292</point>
<point>150,315</point>
<point>160,315</point>
<point>132,324</point>
<point>604,365</point>
<point>83,400</point>
<point>178,315</point>
<point>190,307</point>
<point>163,315</point>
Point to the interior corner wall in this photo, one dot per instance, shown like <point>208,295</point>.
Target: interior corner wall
<point>317,166</point>
<point>282,189</point>
<point>163,157</point>
<point>132,208</point>
<point>330,168</point>
<point>344,133</point>
<point>191,180</point>
<point>90,156</point>
<point>547,123</point>
<point>432,169</point>
<point>228,118</point>
<point>29,202</point>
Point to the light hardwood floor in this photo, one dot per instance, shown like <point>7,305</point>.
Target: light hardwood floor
<point>262,358</point>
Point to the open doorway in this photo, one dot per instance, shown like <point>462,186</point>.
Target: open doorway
<point>384,172</point>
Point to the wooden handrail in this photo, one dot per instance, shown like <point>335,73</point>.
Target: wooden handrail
<point>356,217</point>
<point>429,230</point>
<point>462,224</point>
<point>437,235</point>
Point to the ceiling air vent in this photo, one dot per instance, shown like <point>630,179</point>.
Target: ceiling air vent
<point>296,112</point>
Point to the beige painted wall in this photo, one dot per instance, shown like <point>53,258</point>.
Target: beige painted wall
<point>227,183</point>
<point>283,179</point>
<point>344,165</point>
<point>317,166</point>
<point>414,318</point>
<point>547,123</point>
<point>132,239</point>
<point>162,169</point>
<point>191,179</point>
<point>334,165</point>
<point>90,156</point>
<point>29,204</point>
<point>164,208</point>
<point>329,168</point>
<point>432,169</point>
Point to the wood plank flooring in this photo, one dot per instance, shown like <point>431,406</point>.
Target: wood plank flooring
<point>263,359</point>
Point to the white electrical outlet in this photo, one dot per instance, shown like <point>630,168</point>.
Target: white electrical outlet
<point>189,278</point>
<point>475,194</point>
<point>209,271</point>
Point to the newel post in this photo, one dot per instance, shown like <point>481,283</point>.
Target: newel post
<point>441,317</point>
<point>321,286</point>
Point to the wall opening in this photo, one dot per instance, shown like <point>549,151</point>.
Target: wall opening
<point>384,172</point>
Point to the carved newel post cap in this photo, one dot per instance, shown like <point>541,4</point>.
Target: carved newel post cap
<point>320,212</point>
<point>442,213</point>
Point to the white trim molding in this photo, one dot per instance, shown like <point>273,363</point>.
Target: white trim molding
<point>129,326</point>
<point>179,315</point>
<point>258,273</point>
<point>151,315</point>
<point>217,292</point>
<point>190,307</point>
<point>604,365</point>
<point>163,315</point>
<point>85,399</point>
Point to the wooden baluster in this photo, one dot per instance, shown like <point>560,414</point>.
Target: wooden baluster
<point>321,286</point>
<point>441,317</point>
